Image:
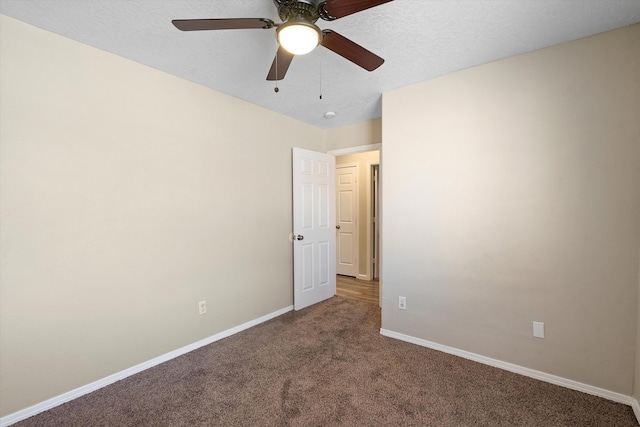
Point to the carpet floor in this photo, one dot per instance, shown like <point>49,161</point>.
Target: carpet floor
<point>328,365</point>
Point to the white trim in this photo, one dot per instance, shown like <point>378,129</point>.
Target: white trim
<point>353,150</point>
<point>532,373</point>
<point>636,409</point>
<point>91,387</point>
<point>369,224</point>
<point>348,165</point>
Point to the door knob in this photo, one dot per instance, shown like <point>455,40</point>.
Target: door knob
<point>338,227</point>
<point>299,237</point>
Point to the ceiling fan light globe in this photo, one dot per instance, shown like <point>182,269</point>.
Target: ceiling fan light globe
<point>299,38</point>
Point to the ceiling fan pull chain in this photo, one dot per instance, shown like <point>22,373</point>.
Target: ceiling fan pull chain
<point>276,90</point>
<point>320,79</point>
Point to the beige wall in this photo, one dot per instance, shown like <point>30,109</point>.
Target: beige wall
<point>129,195</point>
<point>364,161</point>
<point>636,383</point>
<point>355,135</point>
<point>517,183</point>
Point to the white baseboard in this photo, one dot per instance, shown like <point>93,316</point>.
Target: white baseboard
<point>532,373</point>
<point>80,391</point>
<point>636,409</point>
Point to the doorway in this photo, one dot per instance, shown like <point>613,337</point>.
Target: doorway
<point>360,202</point>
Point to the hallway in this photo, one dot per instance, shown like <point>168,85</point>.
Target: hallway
<point>363,290</point>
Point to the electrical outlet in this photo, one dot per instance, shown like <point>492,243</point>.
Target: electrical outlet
<point>402,303</point>
<point>538,329</point>
<point>202,307</point>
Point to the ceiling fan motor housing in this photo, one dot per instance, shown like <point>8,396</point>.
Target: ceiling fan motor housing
<point>306,10</point>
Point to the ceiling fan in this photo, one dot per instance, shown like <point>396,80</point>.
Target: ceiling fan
<point>298,34</point>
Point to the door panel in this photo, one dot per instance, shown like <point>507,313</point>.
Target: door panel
<point>314,241</point>
<point>345,209</point>
<point>345,255</point>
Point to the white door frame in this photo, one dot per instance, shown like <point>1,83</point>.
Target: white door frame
<point>373,228</point>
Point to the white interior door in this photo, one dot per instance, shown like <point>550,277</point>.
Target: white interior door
<point>314,241</point>
<point>347,220</point>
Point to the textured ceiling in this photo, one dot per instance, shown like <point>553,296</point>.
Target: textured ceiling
<point>419,39</point>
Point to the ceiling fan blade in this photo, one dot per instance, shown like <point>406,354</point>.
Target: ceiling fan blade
<point>222,24</point>
<point>351,50</point>
<point>339,8</point>
<point>281,62</point>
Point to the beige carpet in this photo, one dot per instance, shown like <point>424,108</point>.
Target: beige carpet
<point>328,365</point>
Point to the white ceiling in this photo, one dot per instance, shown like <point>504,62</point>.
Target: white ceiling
<point>419,39</point>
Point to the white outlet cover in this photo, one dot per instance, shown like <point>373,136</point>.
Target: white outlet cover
<point>538,329</point>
